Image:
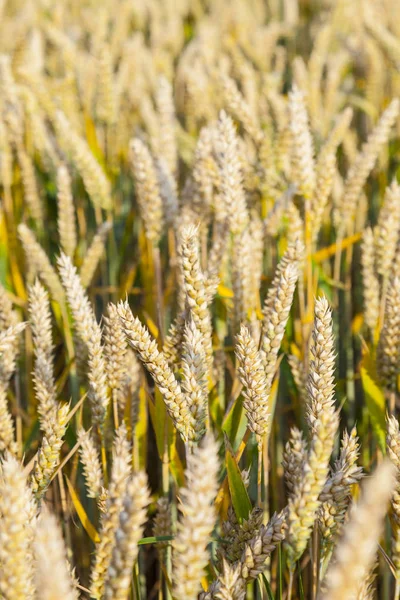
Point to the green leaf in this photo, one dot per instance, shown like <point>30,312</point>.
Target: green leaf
<point>154,539</point>
<point>240,498</point>
<point>235,423</point>
<point>268,587</point>
<point>376,406</point>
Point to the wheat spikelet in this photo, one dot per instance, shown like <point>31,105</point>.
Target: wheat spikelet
<point>294,459</point>
<point>162,525</point>
<point>93,255</point>
<point>323,421</point>
<point>205,171</point>
<point>40,320</point>
<point>130,529</point>
<point>198,515</point>
<point>7,433</point>
<point>231,192</point>
<point>90,334</point>
<point>229,586</point>
<point>240,109</point>
<point>242,534</point>
<point>31,193</point>
<point>8,317</point>
<point>147,190</point>
<point>194,376</point>
<point>364,163</point>
<point>259,548</point>
<point>242,267</point>
<point>275,316</point>
<point>194,285</point>
<point>336,494</point>
<point>9,348</point>
<point>121,471</point>
<point>155,362</point>
<point>371,286</point>
<point>299,374</point>
<point>115,349</point>
<point>17,512</point>
<point>256,389</point>
<point>93,177</point>
<point>66,212</point>
<point>387,230</point>
<point>388,351</point>
<point>323,187</point>
<point>168,191</point>
<point>355,554</point>
<point>54,425</point>
<point>39,261</point>
<point>52,578</point>
<point>303,163</point>
<point>91,464</point>
<point>393,452</point>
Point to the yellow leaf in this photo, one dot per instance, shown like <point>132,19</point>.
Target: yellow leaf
<point>357,323</point>
<point>84,519</point>
<point>224,291</point>
<point>329,251</point>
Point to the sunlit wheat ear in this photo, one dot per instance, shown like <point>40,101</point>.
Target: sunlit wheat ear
<point>194,376</point>
<point>66,212</point>
<point>17,510</point>
<point>239,108</point>
<point>41,325</point>
<point>393,452</point>
<point>231,192</point>
<point>93,255</point>
<point>255,385</point>
<point>54,425</point>
<point>323,187</point>
<point>365,161</point>
<point>275,316</point>
<point>90,333</point>
<point>91,464</point>
<point>94,179</point>
<point>130,527</point>
<point>52,576</point>
<point>190,555</point>
<point>39,261</point>
<point>323,421</point>
<point>387,233</point>
<point>303,162</point>
<point>115,350</point>
<point>121,470</point>
<point>336,495</point>
<point>229,586</point>
<point>355,553</point>
<point>166,142</point>
<point>371,286</point>
<point>194,285</point>
<point>388,351</point>
<point>147,189</point>
<point>155,362</point>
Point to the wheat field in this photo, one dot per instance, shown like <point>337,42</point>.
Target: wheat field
<point>199,299</point>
